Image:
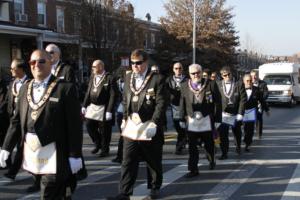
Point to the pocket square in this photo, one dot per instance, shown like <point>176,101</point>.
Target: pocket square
<point>53,99</point>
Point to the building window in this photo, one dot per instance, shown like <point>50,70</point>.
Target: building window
<point>41,13</point>
<point>152,39</point>
<point>19,6</point>
<point>60,19</point>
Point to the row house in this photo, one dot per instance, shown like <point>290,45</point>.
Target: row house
<point>29,24</point>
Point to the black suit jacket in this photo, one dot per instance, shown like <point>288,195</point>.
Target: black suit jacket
<point>10,98</point>
<point>3,111</point>
<point>106,93</point>
<point>238,98</point>
<point>58,121</point>
<point>156,106</point>
<point>211,104</point>
<point>174,91</point>
<point>66,72</point>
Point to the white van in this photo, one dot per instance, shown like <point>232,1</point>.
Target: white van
<point>282,80</point>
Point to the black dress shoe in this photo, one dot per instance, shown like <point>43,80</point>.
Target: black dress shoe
<point>103,154</point>
<point>247,149</point>
<point>10,176</point>
<point>33,188</point>
<point>154,193</point>
<point>212,165</point>
<point>119,197</point>
<point>117,160</point>
<point>238,150</point>
<point>191,174</point>
<point>223,157</point>
<point>95,150</point>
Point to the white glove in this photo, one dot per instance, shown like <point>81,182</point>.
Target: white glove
<point>123,124</point>
<point>217,124</point>
<point>182,124</point>
<point>151,130</point>
<point>75,164</point>
<point>108,116</point>
<point>3,157</point>
<point>83,110</point>
<point>239,117</point>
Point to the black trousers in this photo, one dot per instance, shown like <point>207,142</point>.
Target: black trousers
<point>120,144</point>
<point>53,189</point>
<point>100,133</point>
<point>224,136</point>
<point>181,135</point>
<point>16,161</point>
<point>259,123</point>
<point>249,132</point>
<point>151,152</point>
<point>209,146</point>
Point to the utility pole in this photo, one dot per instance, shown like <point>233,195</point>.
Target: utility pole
<point>194,33</point>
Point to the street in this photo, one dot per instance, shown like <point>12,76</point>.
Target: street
<point>271,170</point>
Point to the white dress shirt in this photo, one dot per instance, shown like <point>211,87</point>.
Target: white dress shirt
<point>39,90</point>
<point>19,83</point>
<point>139,79</point>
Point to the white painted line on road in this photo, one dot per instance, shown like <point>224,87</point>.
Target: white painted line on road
<point>231,183</point>
<point>293,187</point>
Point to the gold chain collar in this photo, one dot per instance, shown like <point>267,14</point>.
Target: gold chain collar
<point>97,84</point>
<point>36,106</point>
<point>136,92</point>
<point>57,70</point>
<point>197,92</point>
<point>230,92</point>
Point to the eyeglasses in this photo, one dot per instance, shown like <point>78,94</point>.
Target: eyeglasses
<point>248,80</point>
<point>226,75</point>
<point>194,73</point>
<point>137,62</point>
<point>178,68</point>
<point>13,69</point>
<point>40,61</point>
<point>94,66</point>
<point>51,52</point>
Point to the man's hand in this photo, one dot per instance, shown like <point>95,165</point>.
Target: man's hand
<point>83,111</point>
<point>182,125</point>
<point>108,116</point>
<point>75,164</point>
<point>151,130</point>
<point>3,157</point>
<point>239,117</point>
<point>123,124</point>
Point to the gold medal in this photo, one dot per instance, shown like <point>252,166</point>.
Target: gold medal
<point>95,90</point>
<point>135,98</point>
<point>34,115</point>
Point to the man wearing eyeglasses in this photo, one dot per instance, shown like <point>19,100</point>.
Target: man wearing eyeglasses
<point>60,69</point>
<point>144,106</point>
<point>173,86</point>
<point>100,96</point>
<point>233,106</point>
<point>47,116</point>
<point>200,109</point>
<point>18,72</point>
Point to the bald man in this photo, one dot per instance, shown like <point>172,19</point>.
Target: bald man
<point>100,96</point>
<point>47,117</point>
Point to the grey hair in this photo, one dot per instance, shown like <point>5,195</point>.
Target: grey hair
<point>54,47</point>
<point>195,66</point>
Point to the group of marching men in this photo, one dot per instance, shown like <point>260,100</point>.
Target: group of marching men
<point>43,119</point>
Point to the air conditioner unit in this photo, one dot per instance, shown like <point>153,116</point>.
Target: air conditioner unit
<point>19,17</point>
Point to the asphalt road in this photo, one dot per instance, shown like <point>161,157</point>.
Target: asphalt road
<point>270,171</point>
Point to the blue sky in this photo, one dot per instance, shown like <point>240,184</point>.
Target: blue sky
<point>268,26</point>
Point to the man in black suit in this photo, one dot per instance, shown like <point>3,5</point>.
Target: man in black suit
<point>200,108</point>
<point>251,107</point>
<point>173,85</point>
<point>60,69</point>
<point>47,116</point>
<point>233,107</point>
<point>101,95</point>
<point>144,106</point>
<point>264,93</point>
<point>18,72</point>
<point>4,119</point>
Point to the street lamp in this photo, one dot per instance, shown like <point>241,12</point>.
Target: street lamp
<point>194,34</point>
